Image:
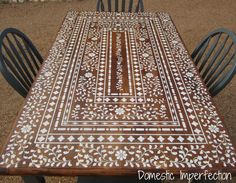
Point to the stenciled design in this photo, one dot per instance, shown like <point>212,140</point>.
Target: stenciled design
<point>118,90</point>
<point>119,69</point>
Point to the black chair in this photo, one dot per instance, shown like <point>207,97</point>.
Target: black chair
<point>19,60</point>
<point>121,7</point>
<point>215,57</point>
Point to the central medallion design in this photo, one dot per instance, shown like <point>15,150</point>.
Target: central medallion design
<point>119,65</point>
<point>119,79</point>
<point>119,68</point>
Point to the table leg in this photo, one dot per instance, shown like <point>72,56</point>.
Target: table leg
<point>33,179</point>
<point>113,179</point>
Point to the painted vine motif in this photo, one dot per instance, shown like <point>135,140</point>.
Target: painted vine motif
<point>216,152</point>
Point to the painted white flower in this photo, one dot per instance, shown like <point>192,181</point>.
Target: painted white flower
<point>145,55</point>
<point>61,41</point>
<point>121,155</point>
<point>86,156</point>
<point>47,74</point>
<point>77,107</point>
<point>200,158</point>
<point>88,74</point>
<point>94,39</point>
<point>174,41</point>
<point>213,128</point>
<point>91,54</point>
<point>149,75</point>
<point>156,157</point>
<point>142,39</point>
<point>119,111</point>
<point>26,129</point>
<point>189,74</point>
<point>13,156</point>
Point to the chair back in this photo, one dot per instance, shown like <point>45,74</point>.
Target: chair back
<point>120,6</point>
<point>19,60</point>
<point>215,57</point>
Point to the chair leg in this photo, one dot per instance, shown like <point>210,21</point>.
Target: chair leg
<point>112,179</point>
<point>33,179</point>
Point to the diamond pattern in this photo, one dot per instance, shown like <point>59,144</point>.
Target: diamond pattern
<point>91,138</point>
<point>131,138</point>
<point>71,138</point>
<point>161,139</point>
<point>151,139</point>
<point>170,138</point>
<point>61,138</point>
<point>181,139</point>
<point>41,138</point>
<point>190,139</point>
<point>110,138</point>
<point>121,138</point>
<point>51,138</point>
<point>100,138</point>
<point>81,138</point>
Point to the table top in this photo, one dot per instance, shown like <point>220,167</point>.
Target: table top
<point>117,93</point>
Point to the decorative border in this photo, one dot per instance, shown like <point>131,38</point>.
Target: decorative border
<point>72,126</point>
<point>218,152</point>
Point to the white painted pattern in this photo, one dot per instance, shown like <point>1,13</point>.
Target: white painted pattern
<point>166,121</point>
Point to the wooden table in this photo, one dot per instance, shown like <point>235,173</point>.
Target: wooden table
<point>117,93</point>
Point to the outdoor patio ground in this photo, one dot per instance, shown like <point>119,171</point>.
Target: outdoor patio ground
<point>41,21</point>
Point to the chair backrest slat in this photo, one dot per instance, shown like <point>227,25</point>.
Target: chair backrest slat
<point>116,5</point>
<point>219,62</point>
<point>209,52</point>
<point>109,5</point>
<point>216,60</point>
<point>100,5</point>
<point>226,78</point>
<point>217,53</point>
<point>19,60</point>
<point>14,63</point>
<point>31,52</point>
<point>16,73</point>
<point>24,55</point>
<point>220,69</point>
<point>120,6</point>
<point>130,5</point>
<point>202,51</point>
<point>123,6</point>
<point>141,6</point>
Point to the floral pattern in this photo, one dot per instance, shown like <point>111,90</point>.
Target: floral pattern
<point>170,124</point>
<point>26,129</point>
<point>119,111</point>
<point>121,155</point>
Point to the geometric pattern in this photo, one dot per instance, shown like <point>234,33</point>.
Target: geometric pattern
<point>120,82</point>
<point>118,90</point>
